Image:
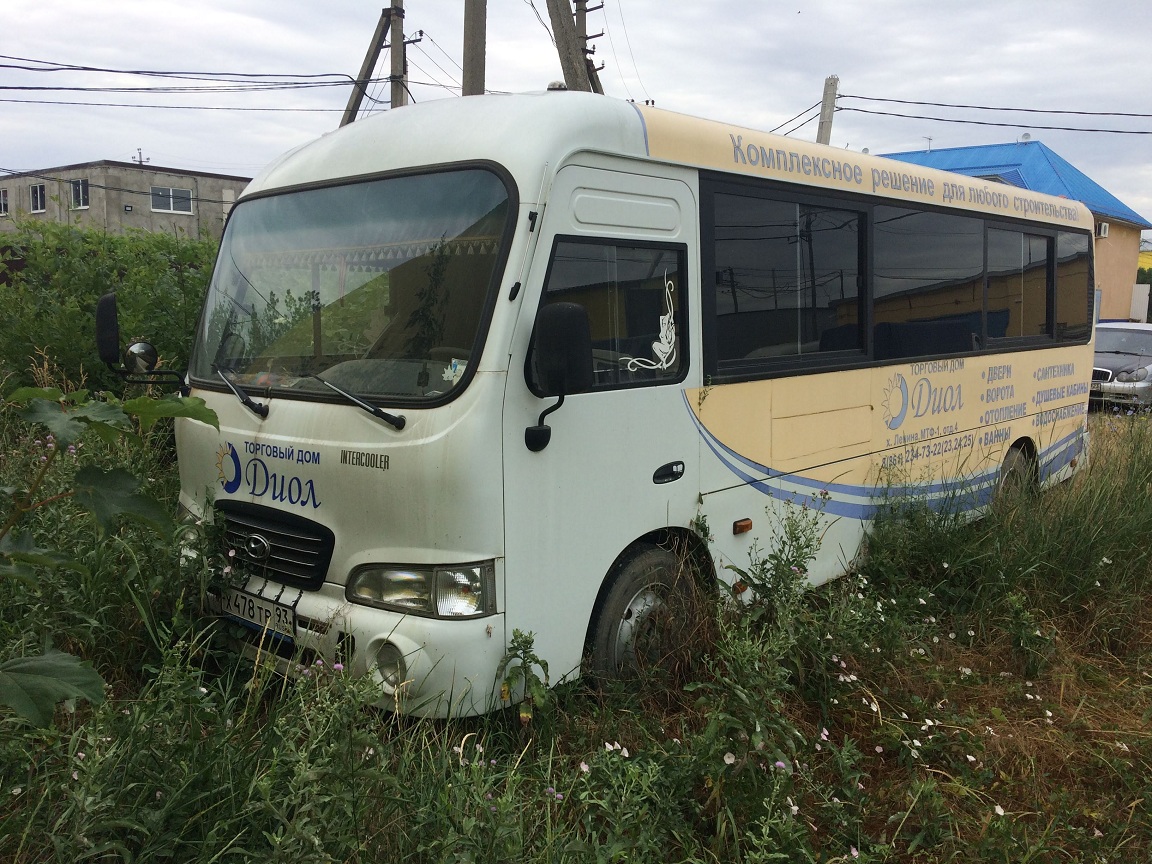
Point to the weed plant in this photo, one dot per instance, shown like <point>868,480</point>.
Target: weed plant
<point>975,691</point>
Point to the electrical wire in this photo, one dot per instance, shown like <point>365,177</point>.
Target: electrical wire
<point>53,66</point>
<point>991,123</point>
<point>173,107</point>
<point>536,12</point>
<point>628,43</point>
<point>457,86</point>
<point>801,125</point>
<point>442,51</point>
<point>797,117</point>
<point>992,108</point>
<point>612,46</point>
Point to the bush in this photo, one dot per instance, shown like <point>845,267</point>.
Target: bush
<point>51,276</point>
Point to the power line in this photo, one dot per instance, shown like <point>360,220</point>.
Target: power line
<point>801,125</point>
<point>543,24</point>
<point>797,117</point>
<point>226,87</point>
<point>442,51</point>
<point>173,107</point>
<point>53,66</point>
<point>628,43</point>
<point>991,123</point>
<point>992,108</point>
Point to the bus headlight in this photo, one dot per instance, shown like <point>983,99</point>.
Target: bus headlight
<point>459,591</point>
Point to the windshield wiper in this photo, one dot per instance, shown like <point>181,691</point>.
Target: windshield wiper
<point>396,420</point>
<point>245,399</point>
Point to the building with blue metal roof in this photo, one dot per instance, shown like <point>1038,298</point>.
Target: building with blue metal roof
<point>1032,165</point>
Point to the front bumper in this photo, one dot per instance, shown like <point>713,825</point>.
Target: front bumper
<point>1136,395</point>
<point>450,665</point>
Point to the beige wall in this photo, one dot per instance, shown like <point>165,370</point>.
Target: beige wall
<point>1116,264</point>
<point>119,198</point>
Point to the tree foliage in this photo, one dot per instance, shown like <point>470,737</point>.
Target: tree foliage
<point>51,276</point>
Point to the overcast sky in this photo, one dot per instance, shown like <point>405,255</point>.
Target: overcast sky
<point>757,63</point>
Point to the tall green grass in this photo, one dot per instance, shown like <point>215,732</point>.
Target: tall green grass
<point>975,691</point>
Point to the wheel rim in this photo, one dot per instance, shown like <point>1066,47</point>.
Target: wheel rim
<point>637,613</point>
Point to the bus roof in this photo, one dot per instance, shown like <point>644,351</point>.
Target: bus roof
<point>526,132</point>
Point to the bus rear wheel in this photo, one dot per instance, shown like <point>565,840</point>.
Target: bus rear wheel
<point>1019,476</point>
<point>636,622</point>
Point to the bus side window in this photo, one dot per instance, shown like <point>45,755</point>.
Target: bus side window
<point>634,298</point>
<point>787,278</point>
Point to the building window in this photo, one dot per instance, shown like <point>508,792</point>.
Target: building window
<point>166,199</point>
<point>79,194</point>
<point>39,199</point>
<point>3,202</point>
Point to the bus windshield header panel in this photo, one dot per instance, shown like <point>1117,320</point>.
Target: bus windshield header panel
<point>382,288</point>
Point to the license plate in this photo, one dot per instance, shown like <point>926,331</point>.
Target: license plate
<point>1095,385</point>
<point>263,612</point>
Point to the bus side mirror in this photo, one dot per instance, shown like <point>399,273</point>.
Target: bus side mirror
<point>562,359</point>
<point>138,363</point>
<point>108,330</point>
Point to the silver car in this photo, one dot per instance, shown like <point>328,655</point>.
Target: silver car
<point>1122,368</point>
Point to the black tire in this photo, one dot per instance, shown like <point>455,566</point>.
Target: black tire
<point>1019,478</point>
<point>634,623</point>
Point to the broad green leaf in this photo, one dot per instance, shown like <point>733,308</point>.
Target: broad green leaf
<point>18,554</point>
<point>53,416</point>
<point>108,495</point>
<point>27,394</point>
<point>150,410</point>
<point>107,420</point>
<point>31,686</point>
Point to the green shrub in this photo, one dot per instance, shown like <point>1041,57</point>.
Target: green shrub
<point>51,276</point>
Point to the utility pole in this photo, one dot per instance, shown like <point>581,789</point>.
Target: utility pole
<point>475,32</point>
<point>582,38</point>
<point>399,76</point>
<point>827,109</point>
<point>569,48</point>
<point>359,88</point>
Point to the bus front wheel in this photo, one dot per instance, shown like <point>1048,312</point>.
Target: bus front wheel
<point>635,623</point>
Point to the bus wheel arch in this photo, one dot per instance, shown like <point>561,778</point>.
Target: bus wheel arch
<point>639,609</point>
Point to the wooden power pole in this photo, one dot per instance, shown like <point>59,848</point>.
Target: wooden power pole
<point>570,49</point>
<point>475,32</point>
<point>359,87</point>
<point>582,38</point>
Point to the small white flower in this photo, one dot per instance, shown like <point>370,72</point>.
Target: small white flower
<point>584,769</point>
<point>999,810</point>
<point>970,757</point>
<point>729,758</point>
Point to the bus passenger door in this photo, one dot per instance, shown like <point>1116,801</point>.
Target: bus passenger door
<point>622,458</point>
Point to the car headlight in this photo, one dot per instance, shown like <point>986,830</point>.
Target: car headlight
<point>1133,375</point>
<point>459,591</point>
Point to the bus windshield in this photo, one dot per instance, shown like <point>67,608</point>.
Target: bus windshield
<point>379,287</point>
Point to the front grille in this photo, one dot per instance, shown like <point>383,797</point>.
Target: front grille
<point>283,547</point>
<point>1101,374</point>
